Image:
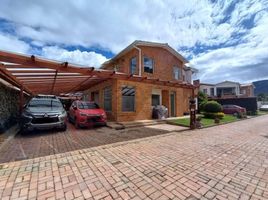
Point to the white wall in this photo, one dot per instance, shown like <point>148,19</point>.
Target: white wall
<point>202,87</point>
<point>229,84</point>
<point>188,76</point>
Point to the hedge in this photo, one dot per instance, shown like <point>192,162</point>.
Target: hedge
<point>218,115</point>
<point>212,107</point>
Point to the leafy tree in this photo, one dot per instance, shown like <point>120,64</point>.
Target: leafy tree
<point>262,97</point>
<point>202,96</point>
<point>202,100</point>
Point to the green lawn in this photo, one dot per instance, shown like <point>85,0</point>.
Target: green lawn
<point>204,121</point>
<point>259,112</point>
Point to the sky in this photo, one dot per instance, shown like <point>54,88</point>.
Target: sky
<point>224,40</point>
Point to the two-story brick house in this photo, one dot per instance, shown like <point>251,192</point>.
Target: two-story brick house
<point>165,80</point>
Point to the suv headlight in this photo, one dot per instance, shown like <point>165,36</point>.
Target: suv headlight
<point>26,115</point>
<point>63,115</point>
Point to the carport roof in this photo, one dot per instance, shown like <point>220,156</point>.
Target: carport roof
<point>37,75</point>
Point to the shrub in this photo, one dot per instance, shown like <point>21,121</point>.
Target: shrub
<point>212,107</point>
<point>202,105</point>
<point>241,115</point>
<point>210,115</point>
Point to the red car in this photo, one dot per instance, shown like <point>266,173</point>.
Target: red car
<point>233,109</point>
<point>85,114</point>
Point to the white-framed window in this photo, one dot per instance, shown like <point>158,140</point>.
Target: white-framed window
<point>211,91</point>
<point>176,73</point>
<point>148,64</point>
<point>128,98</point>
<point>133,65</point>
<point>107,98</point>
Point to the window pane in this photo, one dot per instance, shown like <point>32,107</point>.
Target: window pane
<point>176,73</point>
<point>128,99</point>
<point>211,91</point>
<point>107,97</point>
<point>133,65</point>
<point>155,99</point>
<point>148,65</point>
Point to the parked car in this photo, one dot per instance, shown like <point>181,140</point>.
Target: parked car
<point>264,108</point>
<point>43,113</point>
<point>234,110</point>
<point>85,114</point>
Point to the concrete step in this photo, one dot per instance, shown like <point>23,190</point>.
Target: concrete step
<point>142,123</point>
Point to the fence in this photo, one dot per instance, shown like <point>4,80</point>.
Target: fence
<point>250,103</point>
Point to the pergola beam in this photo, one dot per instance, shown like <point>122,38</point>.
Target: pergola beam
<point>10,76</point>
<point>54,81</point>
<point>33,61</point>
<point>47,75</point>
<point>37,75</point>
<point>79,85</point>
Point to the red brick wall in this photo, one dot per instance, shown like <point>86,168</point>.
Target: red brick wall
<point>163,62</point>
<point>99,88</point>
<point>143,100</point>
<point>143,109</point>
<point>249,90</point>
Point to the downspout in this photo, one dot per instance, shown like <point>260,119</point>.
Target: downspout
<point>139,59</point>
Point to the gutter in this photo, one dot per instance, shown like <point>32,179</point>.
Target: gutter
<point>139,58</point>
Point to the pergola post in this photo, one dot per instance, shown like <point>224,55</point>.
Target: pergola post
<point>21,99</point>
<point>192,109</point>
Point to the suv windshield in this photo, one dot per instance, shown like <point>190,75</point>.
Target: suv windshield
<point>45,103</point>
<point>87,105</point>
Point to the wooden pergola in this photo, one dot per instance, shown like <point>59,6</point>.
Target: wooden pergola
<point>35,75</point>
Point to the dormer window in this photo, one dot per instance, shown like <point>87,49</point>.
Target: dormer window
<point>148,65</point>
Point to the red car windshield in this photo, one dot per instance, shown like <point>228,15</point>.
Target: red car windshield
<point>87,105</point>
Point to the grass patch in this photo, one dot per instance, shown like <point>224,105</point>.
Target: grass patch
<point>204,121</point>
<point>259,112</point>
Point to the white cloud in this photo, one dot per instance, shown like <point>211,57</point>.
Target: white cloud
<point>245,61</point>
<point>90,59</point>
<point>12,43</point>
<point>113,25</point>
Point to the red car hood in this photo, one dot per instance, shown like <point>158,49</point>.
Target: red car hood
<point>92,111</point>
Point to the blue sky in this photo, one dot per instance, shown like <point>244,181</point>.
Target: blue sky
<point>224,40</point>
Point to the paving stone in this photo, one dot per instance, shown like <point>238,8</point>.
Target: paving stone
<point>222,162</point>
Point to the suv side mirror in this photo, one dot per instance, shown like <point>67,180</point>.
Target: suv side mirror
<point>74,107</point>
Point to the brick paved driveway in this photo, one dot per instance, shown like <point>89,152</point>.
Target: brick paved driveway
<point>43,143</point>
<point>225,162</point>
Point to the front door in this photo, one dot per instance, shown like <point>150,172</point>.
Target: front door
<point>172,104</point>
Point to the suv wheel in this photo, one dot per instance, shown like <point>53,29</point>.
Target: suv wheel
<point>64,128</point>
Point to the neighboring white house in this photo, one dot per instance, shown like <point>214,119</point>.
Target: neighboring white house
<point>207,89</point>
<point>226,89</point>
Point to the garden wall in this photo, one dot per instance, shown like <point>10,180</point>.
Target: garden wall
<point>9,106</point>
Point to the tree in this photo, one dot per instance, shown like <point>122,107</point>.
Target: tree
<point>262,97</point>
<point>202,100</point>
